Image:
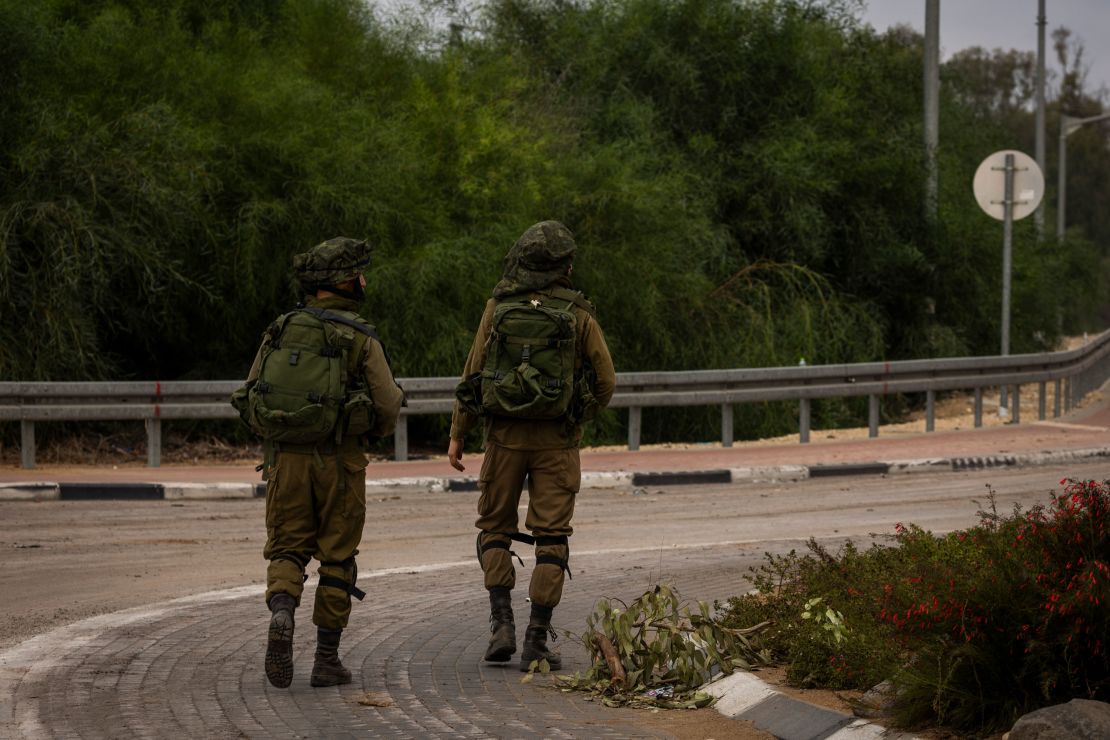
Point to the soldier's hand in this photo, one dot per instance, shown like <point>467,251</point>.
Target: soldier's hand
<point>455,453</point>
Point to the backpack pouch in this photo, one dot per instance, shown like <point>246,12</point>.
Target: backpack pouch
<point>358,413</point>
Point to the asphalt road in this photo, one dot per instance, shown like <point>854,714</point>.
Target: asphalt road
<point>69,560</point>
<point>194,665</point>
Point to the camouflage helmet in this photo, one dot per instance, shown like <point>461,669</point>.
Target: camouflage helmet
<point>541,255</point>
<point>331,263</point>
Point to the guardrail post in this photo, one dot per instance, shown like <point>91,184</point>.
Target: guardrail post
<point>872,416</point>
<point>726,425</point>
<point>978,407</point>
<point>803,421</point>
<point>153,442</point>
<point>401,439</point>
<point>1042,394</point>
<point>1056,400</point>
<point>26,443</point>
<point>1015,405</point>
<point>930,410</point>
<point>634,418</point>
<point>1068,400</point>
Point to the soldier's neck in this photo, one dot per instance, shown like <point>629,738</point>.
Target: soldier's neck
<point>327,299</point>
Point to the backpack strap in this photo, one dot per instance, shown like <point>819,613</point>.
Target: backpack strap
<point>325,315</point>
<point>574,296</point>
<point>555,291</point>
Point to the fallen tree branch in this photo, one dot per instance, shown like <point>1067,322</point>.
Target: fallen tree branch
<point>616,669</point>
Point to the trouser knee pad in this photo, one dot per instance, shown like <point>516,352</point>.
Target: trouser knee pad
<point>332,607</point>
<point>552,566</point>
<point>496,559</point>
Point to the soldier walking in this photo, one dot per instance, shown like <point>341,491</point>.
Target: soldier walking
<point>319,389</point>
<point>538,368</point>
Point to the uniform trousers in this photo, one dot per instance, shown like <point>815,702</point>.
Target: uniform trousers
<point>315,508</point>
<point>554,477</point>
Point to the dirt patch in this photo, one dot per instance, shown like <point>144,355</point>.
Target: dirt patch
<point>837,700</point>
<point>702,724</point>
<point>124,445</point>
<point>952,413</point>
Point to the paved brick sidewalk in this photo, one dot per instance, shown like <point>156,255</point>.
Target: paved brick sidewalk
<point>193,668</point>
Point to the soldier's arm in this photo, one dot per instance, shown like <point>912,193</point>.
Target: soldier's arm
<point>597,352</point>
<point>384,391</point>
<point>462,421</point>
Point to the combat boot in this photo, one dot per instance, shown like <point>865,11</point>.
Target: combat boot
<point>535,640</point>
<point>279,645</point>
<point>502,641</point>
<point>327,670</point>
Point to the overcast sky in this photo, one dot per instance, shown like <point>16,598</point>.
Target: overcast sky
<point>1008,24</point>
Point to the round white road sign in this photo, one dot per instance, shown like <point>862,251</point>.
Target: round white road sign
<point>990,184</point>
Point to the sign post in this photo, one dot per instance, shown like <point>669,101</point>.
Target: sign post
<point>1008,186</point>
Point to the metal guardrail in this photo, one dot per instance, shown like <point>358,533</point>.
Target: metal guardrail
<point>1073,372</point>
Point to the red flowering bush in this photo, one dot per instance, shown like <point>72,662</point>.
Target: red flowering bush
<point>975,628</point>
<point>1024,629</point>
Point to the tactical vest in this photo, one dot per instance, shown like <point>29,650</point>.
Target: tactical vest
<point>310,386</point>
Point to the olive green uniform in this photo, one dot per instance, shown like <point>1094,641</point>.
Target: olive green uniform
<point>316,494</point>
<point>543,451</point>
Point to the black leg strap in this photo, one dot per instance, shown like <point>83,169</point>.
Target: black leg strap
<point>498,545</point>
<point>333,582</point>
<point>553,560</point>
<point>554,540</point>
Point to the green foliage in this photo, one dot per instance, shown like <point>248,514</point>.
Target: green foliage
<point>788,586</point>
<point>974,628</point>
<point>743,178</point>
<point>666,650</point>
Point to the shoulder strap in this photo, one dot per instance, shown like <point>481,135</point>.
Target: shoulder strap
<point>277,326</point>
<point>567,294</point>
<point>574,296</point>
<point>325,315</point>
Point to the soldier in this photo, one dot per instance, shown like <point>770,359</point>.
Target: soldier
<point>319,388</point>
<point>538,368</point>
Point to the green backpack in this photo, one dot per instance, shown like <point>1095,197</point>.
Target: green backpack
<point>301,394</point>
<point>530,361</point>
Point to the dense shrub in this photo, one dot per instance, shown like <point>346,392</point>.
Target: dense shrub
<point>975,628</point>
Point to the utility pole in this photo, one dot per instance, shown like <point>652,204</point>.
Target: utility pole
<point>932,105</point>
<point>1038,215</point>
<point>1068,125</point>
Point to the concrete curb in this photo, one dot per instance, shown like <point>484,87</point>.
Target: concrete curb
<point>744,696</point>
<point>47,491</point>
